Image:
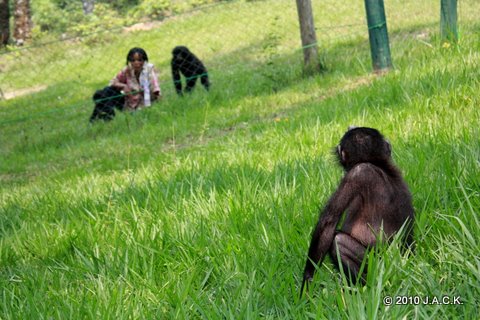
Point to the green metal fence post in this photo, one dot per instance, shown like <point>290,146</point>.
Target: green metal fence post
<point>448,21</point>
<point>378,35</point>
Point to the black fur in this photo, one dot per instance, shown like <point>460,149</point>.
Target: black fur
<point>186,63</point>
<point>375,199</point>
<point>106,101</point>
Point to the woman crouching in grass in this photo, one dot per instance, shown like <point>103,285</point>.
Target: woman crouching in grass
<point>138,81</point>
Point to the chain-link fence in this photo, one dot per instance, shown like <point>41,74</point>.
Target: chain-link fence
<point>257,38</point>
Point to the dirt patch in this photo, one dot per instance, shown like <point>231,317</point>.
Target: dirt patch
<point>142,26</point>
<point>21,92</point>
<point>149,25</point>
<point>362,81</point>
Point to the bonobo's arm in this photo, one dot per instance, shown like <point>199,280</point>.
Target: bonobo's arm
<point>325,229</point>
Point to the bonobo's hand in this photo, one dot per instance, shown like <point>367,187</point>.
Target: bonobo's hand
<point>307,278</point>
<point>309,270</point>
<point>126,90</point>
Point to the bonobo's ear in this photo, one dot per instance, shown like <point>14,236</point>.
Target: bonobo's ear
<point>388,147</point>
<point>351,128</point>
<point>341,154</point>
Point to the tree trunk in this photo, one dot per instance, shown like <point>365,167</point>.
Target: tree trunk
<point>23,22</point>
<point>308,35</point>
<point>4,22</point>
<point>88,6</point>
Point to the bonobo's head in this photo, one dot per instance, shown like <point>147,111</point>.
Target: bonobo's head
<point>108,97</point>
<point>363,145</point>
<point>100,98</point>
<point>180,52</point>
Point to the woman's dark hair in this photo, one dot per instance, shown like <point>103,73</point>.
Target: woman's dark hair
<point>140,51</point>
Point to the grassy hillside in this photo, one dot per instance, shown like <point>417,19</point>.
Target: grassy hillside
<point>202,206</point>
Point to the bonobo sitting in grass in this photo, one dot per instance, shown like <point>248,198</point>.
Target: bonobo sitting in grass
<point>106,101</point>
<point>373,200</point>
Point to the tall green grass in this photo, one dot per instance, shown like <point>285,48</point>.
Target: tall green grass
<point>202,207</point>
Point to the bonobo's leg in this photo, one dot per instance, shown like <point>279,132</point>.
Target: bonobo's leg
<point>351,254</point>
<point>205,82</point>
<point>94,115</point>
<point>191,83</point>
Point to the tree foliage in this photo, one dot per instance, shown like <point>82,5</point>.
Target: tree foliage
<point>67,17</point>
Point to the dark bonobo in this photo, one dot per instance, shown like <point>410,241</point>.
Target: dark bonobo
<point>186,63</point>
<point>375,199</point>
